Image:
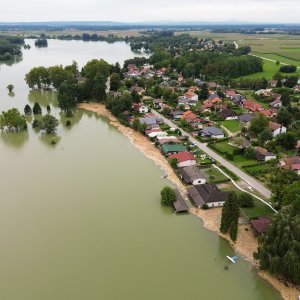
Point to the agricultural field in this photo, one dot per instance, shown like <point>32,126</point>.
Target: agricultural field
<point>279,58</point>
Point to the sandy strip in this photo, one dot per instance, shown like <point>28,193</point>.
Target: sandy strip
<point>246,243</point>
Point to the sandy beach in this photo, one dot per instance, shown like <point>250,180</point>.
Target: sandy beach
<point>246,243</point>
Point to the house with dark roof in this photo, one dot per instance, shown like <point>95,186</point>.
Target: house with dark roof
<point>276,103</point>
<point>192,175</point>
<point>208,194</point>
<point>180,205</point>
<point>262,154</point>
<point>260,225</point>
<point>246,118</point>
<point>176,114</point>
<point>238,99</point>
<point>212,132</point>
<point>228,114</point>
<point>184,159</point>
<point>169,149</point>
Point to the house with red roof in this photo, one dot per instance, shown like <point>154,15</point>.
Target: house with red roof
<point>260,225</point>
<point>291,163</point>
<point>269,113</point>
<point>184,159</point>
<point>189,116</point>
<point>252,106</point>
<point>191,95</point>
<point>229,93</point>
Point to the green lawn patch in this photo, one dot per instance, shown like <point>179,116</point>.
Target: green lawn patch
<point>232,125</point>
<point>214,175</point>
<point>258,210</point>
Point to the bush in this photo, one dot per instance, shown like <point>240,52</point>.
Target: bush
<point>288,69</point>
<point>168,196</point>
<point>35,123</point>
<point>68,123</point>
<point>246,200</point>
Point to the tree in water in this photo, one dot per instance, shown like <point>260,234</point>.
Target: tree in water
<point>168,196</point>
<point>10,87</point>
<point>27,110</point>
<point>49,123</point>
<point>37,110</point>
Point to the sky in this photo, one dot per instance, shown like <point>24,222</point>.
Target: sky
<point>275,11</point>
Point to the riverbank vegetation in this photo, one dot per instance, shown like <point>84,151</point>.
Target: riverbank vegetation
<point>10,47</point>
<point>168,196</point>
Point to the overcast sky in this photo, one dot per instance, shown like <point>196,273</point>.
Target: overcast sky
<point>150,10</point>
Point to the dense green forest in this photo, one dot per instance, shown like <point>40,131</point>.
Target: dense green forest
<point>10,46</point>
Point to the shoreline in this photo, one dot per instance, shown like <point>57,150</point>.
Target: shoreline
<point>246,243</point>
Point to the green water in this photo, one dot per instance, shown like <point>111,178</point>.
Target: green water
<point>82,219</point>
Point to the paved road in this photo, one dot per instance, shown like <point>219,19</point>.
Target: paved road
<point>255,184</point>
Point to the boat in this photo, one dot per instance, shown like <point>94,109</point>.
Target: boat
<point>232,258</point>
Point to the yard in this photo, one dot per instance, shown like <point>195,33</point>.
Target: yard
<point>233,126</point>
<point>223,147</point>
<point>258,210</point>
<point>214,176</point>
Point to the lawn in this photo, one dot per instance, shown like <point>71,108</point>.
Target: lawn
<point>232,125</point>
<point>258,210</point>
<point>223,147</point>
<point>214,176</point>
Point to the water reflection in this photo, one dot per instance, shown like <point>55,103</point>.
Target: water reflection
<point>43,98</point>
<point>15,139</point>
<point>12,61</point>
<point>11,94</point>
<point>51,140</point>
<point>75,119</point>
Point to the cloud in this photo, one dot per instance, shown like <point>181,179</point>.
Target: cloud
<point>150,10</point>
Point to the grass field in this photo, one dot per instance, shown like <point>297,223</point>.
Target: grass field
<point>270,69</point>
<point>279,58</point>
<point>223,147</point>
<point>232,125</point>
<point>258,210</point>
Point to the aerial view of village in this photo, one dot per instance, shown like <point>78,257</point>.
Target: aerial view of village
<point>150,159</point>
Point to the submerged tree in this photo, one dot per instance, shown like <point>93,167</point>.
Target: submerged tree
<point>12,120</point>
<point>27,110</point>
<point>49,123</point>
<point>37,110</point>
<point>168,196</point>
<point>10,87</point>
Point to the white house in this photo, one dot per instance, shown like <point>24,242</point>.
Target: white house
<point>277,129</point>
<point>143,109</point>
<point>192,175</point>
<point>184,159</point>
<point>262,154</point>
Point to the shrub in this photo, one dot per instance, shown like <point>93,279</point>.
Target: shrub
<point>168,196</point>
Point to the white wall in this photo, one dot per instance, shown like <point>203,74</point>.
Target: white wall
<point>215,204</point>
<point>186,163</point>
<point>199,181</point>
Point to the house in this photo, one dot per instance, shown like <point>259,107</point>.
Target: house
<point>191,95</point>
<point>169,149</point>
<point>143,109</point>
<point>157,132</point>
<point>229,93</point>
<point>177,114</point>
<point>260,225</point>
<point>184,159</point>
<point>208,194</point>
<point>238,99</point>
<point>192,175</point>
<point>298,145</point>
<point>212,85</point>
<point>252,106</point>
<point>240,142</point>
<point>269,113</point>
<point>137,89</point>
<point>276,128</point>
<point>246,118</point>
<point>229,114</point>
<point>188,116</point>
<point>167,140</point>
<point>149,121</point>
<point>212,132</point>
<point>264,92</point>
<point>262,154</point>
<point>291,163</point>
<point>180,205</point>
<point>276,103</point>
<point>158,103</point>
<point>296,88</point>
